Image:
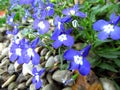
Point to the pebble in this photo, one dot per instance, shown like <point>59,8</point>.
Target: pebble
<point>2,46</point>
<point>107,84</point>
<point>32,87</point>
<point>50,87</point>
<point>61,75</point>
<point>48,55</point>
<point>28,82</point>
<point>11,69</point>
<point>11,79</point>
<point>67,88</point>
<point>43,51</point>
<point>12,86</point>
<point>49,78</point>
<point>5,51</point>
<point>50,62</point>
<point>22,86</point>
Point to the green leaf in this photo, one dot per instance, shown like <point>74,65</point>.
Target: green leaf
<point>107,67</point>
<point>117,62</point>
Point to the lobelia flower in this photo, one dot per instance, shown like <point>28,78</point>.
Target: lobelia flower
<point>25,2</point>
<point>36,77</point>
<point>63,38</point>
<point>10,19</point>
<point>42,26</point>
<point>108,29</point>
<point>78,60</point>
<point>29,52</point>
<point>73,11</point>
<point>23,51</point>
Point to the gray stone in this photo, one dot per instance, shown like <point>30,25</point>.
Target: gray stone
<point>67,88</point>
<point>12,86</point>
<point>62,76</point>
<point>43,51</point>
<point>32,87</point>
<point>11,69</point>
<point>11,79</point>
<point>50,87</point>
<point>28,82</point>
<point>49,78</point>
<point>48,55</point>
<point>50,62</point>
<point>22,86</point>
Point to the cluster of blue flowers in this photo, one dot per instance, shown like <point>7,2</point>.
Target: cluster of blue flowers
<point>23,50</point>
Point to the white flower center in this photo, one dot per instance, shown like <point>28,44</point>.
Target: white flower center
<point>72,12</point>
<point>62,37</point>
<point>108,28</point>
<point>41,25</point>
<point>18,51</point>
<point>30,52</point>
<point>11,19</point>
<point>37,77</point>
<point>48,8</point>
<point>59,23</point>
<point>78,59</point>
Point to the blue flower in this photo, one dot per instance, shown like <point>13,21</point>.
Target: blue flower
<point>62,38</point>
<point>23,51</point>
<point>42,26</point>
<point>36,78</point>
<point>78,60</point>
<point>108,29</point>
<point>74,11</point>
<point>30,54</point>
<point>25,2</point>
<point>10,19</point>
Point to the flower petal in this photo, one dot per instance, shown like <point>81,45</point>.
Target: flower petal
<point>115,35</point>
<point>66,11</point>
<point>69,42</point>
<point>38,84</point>
<point>74,66</point>
<point>35,59</point>
<point>69,54</point>
<point>85,68</point>
<point>99,25</point>
<point>57,44</point>
<point>33,80</point>
<point>103,35</point>
<point>34,70</point>
<point>20,60</point>
<point>13,57</point>
<point>35,42</point>
<point>81,14</point>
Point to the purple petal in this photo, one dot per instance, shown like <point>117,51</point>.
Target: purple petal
<point>35,42</point>
<point>81,14</point>
<point>85,68</point>
<point>99,25</point>
<point>38,84</point>
<point>55,34</point>
<point>34,70</point>
<point>69,54</point>
<point>41,71</point>
<point>57,44</point>
<point>13,57</point>
<point>115,35</point>
<point>69,42</point>
<point>36,59</point>
<point>66,11</point>
<point>74,66</point>
<point>113,18</point>
<point>20,60</point>
<point>33,80</point>
<point>103,35</point>
<point>66,19</point>
<point>84,52</point>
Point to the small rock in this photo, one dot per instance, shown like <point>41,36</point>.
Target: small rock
<point>11,79</point>
<point>50,62</point>
<point>5,51</point>
<point>22,86</point>
<point>12,86</point>
<point>17,67</point>
<point>57,58</point>
<point>61,76</point>
<point>67,88</point>
<point>50,87</point>
<point>28,82</point>
<point>107,84</point>
<point>32,87</point>
<point>38,49</point>
<point>44,82</point>
<point>43,51</point>
<point>11,69</point>
<point>2,46</point>
<point>49,78</point>
<point>48,55</point>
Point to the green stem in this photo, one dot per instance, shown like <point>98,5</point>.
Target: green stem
<point>61,60</point>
